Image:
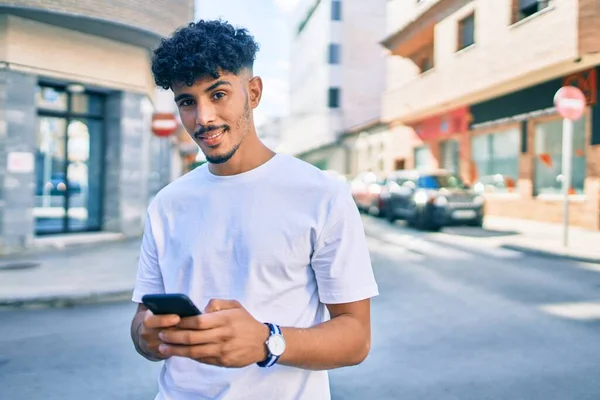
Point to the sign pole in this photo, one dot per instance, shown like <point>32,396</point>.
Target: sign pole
<point>570,103</point>
<point>567,151</point>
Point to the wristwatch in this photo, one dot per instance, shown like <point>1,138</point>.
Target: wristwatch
<point>275,346</point>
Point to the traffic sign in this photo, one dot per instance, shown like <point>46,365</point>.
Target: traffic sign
<point>164,124</point>
<point>570,102</point>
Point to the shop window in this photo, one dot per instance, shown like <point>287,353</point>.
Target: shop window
<point>548,158</point>
<point>522,9</point>
<point>449,155</point>
<point>423,157</point>
<point>496,161</point>
<point>466,32</point>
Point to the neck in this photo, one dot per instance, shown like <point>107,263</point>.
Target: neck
<point>251,154</point>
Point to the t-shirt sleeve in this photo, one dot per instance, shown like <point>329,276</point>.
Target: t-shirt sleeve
<point>341,260</point>
<point>149,278</point>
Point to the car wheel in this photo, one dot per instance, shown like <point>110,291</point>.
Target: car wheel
<point>477,222</point>
<point>389,215</point>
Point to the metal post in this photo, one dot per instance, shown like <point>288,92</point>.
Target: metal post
<point>567,144</point>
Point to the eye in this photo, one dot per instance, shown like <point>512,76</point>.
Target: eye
<point>186,102</point>
<point>218,95</point>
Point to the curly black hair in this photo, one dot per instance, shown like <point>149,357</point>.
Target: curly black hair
<point>202,49</point>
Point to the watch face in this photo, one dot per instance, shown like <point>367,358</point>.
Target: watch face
<point>276,345</point>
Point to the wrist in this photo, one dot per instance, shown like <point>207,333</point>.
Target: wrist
<point>263,336</point>
<point>275,346</point>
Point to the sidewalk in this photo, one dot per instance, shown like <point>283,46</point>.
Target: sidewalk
<point>75,275</point>
<point>546,239</point>
<point>526,236</point>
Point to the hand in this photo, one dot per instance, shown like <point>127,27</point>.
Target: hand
<point>226,335</point>
<point>151,327</point>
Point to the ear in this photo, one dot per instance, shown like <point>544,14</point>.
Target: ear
<point>255,87</point>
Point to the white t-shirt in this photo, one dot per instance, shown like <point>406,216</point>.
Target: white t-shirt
<point>282,239</point>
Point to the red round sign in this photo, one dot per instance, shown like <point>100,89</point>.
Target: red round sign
<point>164,124</point>
<point>570,102</point>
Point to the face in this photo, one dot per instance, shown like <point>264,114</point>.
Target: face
<point>217,112</point>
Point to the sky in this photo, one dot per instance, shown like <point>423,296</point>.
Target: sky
<point>267,22</point>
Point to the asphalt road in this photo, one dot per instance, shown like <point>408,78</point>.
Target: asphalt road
<point>455,320</point>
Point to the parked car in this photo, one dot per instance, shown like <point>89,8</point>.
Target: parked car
<point>431,200</point>
<point>366,188</point>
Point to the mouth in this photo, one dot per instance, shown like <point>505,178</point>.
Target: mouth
<point>212,138</point>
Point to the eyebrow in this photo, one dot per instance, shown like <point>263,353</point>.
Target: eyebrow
<point>183,96</point>
<point>216,85</point>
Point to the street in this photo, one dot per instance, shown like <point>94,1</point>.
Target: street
<point>455,320</point>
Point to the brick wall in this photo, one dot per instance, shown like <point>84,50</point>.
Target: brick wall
<point>158,16</point>
<point>17,134</point>
<point>589,26</point>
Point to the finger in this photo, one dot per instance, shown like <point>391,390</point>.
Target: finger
<point>220,305</point>
<point>152,321</point>
<point>210,361</point>
<point>204,321</point>
<point>194,352</point>
<point>192,337</point>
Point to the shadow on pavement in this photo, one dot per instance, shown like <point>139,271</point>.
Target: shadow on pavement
<point>477,232</point>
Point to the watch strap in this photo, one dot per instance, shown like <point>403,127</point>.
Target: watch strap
<point>271,359</point>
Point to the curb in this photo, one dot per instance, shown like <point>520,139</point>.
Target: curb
<point>65,301</point>
<point>551,254</point>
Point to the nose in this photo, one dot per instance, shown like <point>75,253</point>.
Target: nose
<point>205,114</point>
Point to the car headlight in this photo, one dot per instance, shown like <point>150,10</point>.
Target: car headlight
<point>478,200</point>
<point>421,198</point>
<point>440,201</point>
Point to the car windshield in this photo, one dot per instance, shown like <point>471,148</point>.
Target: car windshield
<point>440,181</point>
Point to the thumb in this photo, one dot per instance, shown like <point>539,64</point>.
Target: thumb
<point>220,305</point>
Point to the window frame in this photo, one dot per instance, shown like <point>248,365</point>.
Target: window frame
<point>460,44</point>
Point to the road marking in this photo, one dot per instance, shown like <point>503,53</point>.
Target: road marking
<point>583,311</point>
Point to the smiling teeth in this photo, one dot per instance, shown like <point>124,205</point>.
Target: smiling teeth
<point>213,136</point>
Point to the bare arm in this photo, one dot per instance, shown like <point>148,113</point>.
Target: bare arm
<point>344,340</point>
<point>228,336</point>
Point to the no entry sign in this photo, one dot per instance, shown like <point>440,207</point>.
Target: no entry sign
<point>570,102</point>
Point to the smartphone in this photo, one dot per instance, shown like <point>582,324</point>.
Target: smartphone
<point>170,303</point>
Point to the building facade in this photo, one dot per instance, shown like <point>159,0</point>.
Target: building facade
<point>76,104</point>
<point>336,76</point>
<point>471,85</point>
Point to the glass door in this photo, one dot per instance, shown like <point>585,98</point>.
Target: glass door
<point>69,170</point>
<point>49,210</point>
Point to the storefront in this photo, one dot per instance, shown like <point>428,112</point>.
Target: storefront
<point>516,152</point>
<point>441,141</point>
<point>77,100</point>
<point>68,160</point>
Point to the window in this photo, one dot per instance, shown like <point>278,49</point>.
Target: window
<point>548,157</point>
<point>466,32</point>
<point>525,8</point>
<point>423,157</point>
<point>336,10</point>
<point>334,53</point>
<point>334,97</point>
<point>496,160</point>
<point>440,181</point>
<point>449,151</point>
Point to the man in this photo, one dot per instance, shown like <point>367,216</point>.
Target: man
<point>264,242</point>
